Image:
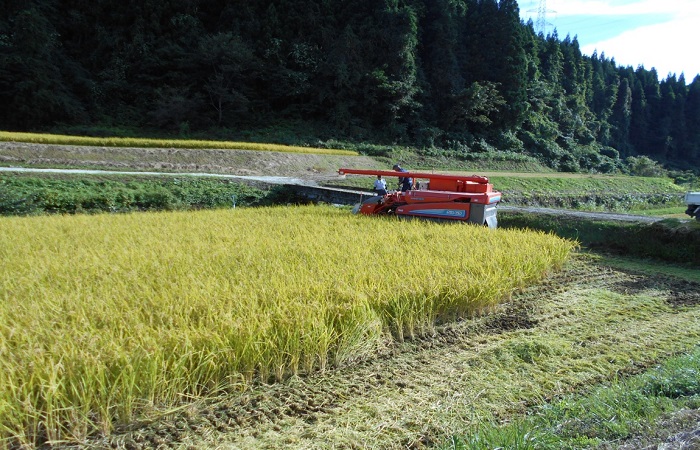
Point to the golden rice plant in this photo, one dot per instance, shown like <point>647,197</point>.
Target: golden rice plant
<point>104,318</point>
<point>163,143</point>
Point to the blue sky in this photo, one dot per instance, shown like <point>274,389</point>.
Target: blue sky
<point>663,34</point>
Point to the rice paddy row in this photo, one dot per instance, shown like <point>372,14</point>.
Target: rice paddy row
<point>163,143</point>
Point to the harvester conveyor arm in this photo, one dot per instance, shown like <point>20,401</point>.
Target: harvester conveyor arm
<point>430,176</point>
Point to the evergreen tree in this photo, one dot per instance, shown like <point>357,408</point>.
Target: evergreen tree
<point>552,60</point>
<point>605,94</point>
<point>440,52</point>
<point>36,81</point>
<point>396,78</point>
<point>679,130</point>
<point>511,71</point>
<point>621,118</point>
<point>662,138</point>
<point>692,117</point>
<point>639,121</point>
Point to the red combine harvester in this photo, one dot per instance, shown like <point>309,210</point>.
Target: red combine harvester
<point>442,197</point>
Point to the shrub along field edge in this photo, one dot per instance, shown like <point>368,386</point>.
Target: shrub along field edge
<point>667,240</point>
<point>34,195</point>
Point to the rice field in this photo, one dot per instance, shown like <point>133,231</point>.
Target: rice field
<point>56,139</point>
<point>104,318</point>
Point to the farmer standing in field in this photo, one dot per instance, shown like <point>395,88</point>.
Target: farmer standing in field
<point>380,185</point>
<point>405,183</point>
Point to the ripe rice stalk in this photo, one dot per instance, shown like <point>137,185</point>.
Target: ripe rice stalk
<point>163,143</point>
<point>104,318</point>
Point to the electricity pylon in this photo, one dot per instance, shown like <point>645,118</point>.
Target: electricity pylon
<point>541,23</point>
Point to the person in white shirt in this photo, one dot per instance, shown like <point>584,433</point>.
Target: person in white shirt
<point>380,185</point>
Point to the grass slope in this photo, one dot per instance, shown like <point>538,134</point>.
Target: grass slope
<point>590,192</point>
<point>25,194</point>
<point>667,240</point>
<point>578,191</point>
<point>627,408</point>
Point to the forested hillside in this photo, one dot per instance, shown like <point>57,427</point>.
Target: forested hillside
<point>454,76</point>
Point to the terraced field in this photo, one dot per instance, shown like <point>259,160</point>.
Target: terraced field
<point>599,320</point>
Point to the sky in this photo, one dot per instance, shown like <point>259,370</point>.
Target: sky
<point>663,34</point>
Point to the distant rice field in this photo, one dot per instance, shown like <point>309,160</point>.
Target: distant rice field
<point>163,143</point>
<point>105,317</point>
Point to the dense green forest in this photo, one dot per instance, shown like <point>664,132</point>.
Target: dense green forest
<point>454,76</point>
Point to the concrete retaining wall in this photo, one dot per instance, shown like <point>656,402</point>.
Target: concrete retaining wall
<point>329,195</point>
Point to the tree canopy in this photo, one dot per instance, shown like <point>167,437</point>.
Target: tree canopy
<point>427,73</point>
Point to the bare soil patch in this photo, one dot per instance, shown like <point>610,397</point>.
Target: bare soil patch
<point>679,431</point>
<point>680,292</point>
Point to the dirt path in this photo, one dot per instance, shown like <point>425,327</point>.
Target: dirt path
<point>584,214</point>
<point>261,178</point>
<point>420,393</point>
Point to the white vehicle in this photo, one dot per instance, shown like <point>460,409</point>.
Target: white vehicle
<point>692,199</point>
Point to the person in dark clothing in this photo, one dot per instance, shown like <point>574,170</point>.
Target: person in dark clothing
<point>405,183</point>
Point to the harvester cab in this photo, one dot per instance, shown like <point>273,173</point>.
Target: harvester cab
<point>439,197</point>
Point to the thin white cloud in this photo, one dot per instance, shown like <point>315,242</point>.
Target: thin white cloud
<point>678,8</point>
<point>668,47</point>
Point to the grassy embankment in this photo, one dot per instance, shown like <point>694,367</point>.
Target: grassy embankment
<point>35,194</point>
<point>617,193</point>
<point>30,194</point>
<point>623,409</point>
<point>668,240</point>
<point>104,317</point>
